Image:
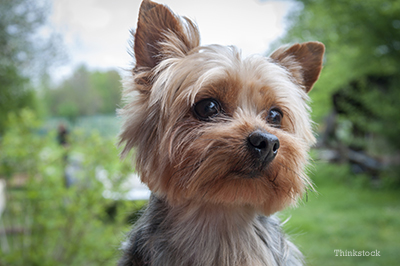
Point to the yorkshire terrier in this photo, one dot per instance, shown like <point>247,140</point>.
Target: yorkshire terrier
<point>221,141</point>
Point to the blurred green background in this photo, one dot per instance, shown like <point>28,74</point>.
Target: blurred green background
<point>47,221</point>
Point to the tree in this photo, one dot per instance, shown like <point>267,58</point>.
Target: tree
<point>360,79</point>
<point>23,53</point>
<point>86,93</point>
<point>108,85</point>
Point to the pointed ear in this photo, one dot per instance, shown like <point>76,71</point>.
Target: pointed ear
<point>304,61</point>
<point>160,34</point>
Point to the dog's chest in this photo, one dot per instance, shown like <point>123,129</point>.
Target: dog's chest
<point>210,238</point>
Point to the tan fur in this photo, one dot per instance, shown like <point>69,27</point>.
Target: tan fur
<point>203,171</point>
<point>304,61</point>
<point>248,93</point>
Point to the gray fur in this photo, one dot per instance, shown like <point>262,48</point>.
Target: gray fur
<point>197,235</point>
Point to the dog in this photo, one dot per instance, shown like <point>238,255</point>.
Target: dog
<point>221,141</point>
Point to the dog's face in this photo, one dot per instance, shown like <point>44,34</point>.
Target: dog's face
<point>211,127</point>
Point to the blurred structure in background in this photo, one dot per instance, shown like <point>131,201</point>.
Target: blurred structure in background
<point>62,135</point>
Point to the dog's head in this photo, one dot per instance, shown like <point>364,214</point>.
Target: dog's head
<point>209,126</point>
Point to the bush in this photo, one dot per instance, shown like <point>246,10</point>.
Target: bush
<point>51,224</point>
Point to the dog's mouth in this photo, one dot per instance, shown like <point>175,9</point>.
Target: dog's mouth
<point>251,166</point>
<point>255,169</point>
<point>247,175</point>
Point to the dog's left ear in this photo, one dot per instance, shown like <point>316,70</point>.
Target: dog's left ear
<point>303,61</point>
<point>161,34</point>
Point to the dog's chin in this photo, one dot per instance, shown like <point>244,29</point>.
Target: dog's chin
<point>257,170</point>
<point>245,174</point>
<point>212,170</point>
<point>267,188</point>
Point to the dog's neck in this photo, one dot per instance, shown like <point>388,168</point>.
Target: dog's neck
<point>217,235</point>
<point>204,234</point>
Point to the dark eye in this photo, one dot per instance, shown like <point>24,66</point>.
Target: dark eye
<point>206,109</point>
<point>275,117</point>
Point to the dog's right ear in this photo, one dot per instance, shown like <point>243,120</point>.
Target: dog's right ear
<point>161,34</point>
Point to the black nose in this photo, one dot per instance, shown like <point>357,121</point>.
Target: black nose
<point>263,144</point>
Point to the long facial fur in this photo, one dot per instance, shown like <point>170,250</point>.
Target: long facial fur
<point>193,165</point>
<point>182,158</point>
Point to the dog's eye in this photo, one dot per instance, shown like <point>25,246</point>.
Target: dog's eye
<point>206,109</point>
<point>275,117</point>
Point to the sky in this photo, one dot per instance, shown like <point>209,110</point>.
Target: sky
<point>96,32</point>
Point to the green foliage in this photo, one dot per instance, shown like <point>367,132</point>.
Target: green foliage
<point>86,93</point>
<point>19,20</point>
<point>23,53</point>
<point>108,86</point>
<point>362,45</point>
<point>374,110</point>
<point>20,145</point>
<point>68,110</point>
<point>57,225</point>
<point>362,41</point>
<point>14,93</point>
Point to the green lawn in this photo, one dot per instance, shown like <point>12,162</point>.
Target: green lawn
<point>344,215</point>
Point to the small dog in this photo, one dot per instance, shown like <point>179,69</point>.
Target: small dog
<point>221,141</point>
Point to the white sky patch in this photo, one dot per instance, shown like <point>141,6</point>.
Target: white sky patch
<point>96,32</point>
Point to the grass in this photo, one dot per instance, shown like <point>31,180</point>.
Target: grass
<point>345,214</point>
